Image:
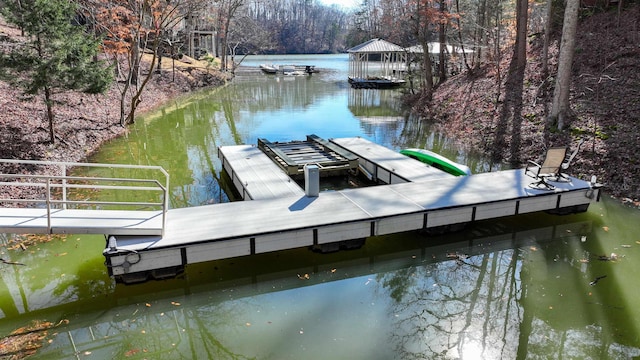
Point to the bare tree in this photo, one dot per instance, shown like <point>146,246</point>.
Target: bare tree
<point>226,12</point>
<point>547,33</point>
<point>246,37</point>
<point>131,28</point>
<point>442,39</point>
<point>560,107</point>
<point>424,15</point>
<point>460,36</point>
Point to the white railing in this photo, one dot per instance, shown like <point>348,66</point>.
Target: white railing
<point>51,187</point>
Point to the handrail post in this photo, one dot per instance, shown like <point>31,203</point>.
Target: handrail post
<point>64,186</point>
<point>48,205</point>
<point>165,205</point>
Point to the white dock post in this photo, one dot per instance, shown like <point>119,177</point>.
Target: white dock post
<point>311,180</point>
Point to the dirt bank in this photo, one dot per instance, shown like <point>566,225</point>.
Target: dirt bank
<point>84,122</point>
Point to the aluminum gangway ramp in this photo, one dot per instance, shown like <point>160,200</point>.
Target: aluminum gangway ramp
<point>97,199</point>
<point>72,221</point>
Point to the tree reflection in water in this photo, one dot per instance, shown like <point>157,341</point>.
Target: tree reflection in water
<point>457,309</point>
<point>531,300</point>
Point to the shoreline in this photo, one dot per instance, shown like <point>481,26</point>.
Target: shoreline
<point>83,123</point>
<point>86,122</point>
<point>79,144</point>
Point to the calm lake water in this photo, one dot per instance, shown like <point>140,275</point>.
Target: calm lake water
<point>533,287</point>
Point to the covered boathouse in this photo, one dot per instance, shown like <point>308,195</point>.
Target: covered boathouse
<point>377,64</point>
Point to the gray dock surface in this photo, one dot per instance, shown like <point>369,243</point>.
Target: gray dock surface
<point>255,175</point>
<point>417,197</point>
<point>280,216</point>
<point>490,194</point>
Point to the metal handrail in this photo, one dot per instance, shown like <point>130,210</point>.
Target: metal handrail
<point>56,182</point>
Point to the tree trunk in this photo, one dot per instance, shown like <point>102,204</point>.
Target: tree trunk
<point>442,66</point>
<point>421,32</point>
<point>136,99</point>
<point>464,54</point>
<point>135,60</point>
<point>545,45</point>
<point>159,56</point>
<point>480,37</point>
<point>427,70</point>
<point>124,90</point>
<point>49,102</point>
<point>560,107</point>
<point>521,34</point>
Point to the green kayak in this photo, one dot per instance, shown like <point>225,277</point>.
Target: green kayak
<point>437,161</point>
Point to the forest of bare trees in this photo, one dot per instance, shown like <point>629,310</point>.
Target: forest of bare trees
<point>477,34</point>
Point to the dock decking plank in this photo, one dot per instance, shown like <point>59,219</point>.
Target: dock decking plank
<point>256,217</point>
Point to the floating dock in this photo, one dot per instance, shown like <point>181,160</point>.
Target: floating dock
<point>281,216</point>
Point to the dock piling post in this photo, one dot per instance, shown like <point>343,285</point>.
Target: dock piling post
<point>311,180</point>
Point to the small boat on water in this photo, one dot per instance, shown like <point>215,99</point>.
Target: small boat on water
<point>288,69</point>
<point>268,69</point>
<point>437,161</point>
<point>375,83</point>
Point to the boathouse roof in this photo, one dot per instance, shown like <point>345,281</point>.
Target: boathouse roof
<point>376,46</point>
<point>434,48</point>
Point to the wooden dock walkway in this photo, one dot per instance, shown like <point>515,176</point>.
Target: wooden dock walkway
<point>235,229</point>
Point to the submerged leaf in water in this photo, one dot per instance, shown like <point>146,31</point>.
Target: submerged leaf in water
<point>24,341</point>
<point>131,352</point>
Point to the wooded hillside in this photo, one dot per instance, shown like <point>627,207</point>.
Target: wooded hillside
<point>604,97</point>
